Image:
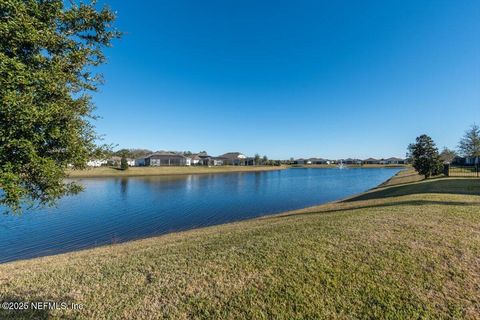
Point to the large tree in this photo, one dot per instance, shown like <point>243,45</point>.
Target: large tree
<point>424,156</point>
<point>469,145</point>
<point>48,53</point>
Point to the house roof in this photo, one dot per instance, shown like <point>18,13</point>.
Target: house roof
<point>162,154</point>
<point>233,155</point>
<point>195,157</point>
<point>371,159</point>
<point>394,159</point>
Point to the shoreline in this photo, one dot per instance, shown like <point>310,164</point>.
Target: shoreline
<point>266,216</point>
<point>165,171</point>
<point>169,171</point>
<point>198,269</point>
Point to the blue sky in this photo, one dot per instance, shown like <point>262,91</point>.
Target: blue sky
<point>291,78</point>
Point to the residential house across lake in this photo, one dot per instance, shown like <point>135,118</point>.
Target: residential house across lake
<point>164,158</point>
<point>371,161</point>
<point>350,161</point>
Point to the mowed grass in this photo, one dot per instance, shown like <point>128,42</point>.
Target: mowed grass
<point>407,175</point>
<point>403,252</point>
<point>159,171</point>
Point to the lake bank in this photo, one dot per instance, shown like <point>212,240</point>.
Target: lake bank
<point>165,171</point>
<point>119,209</point>
<point>185,170</point>
<point>404,251</point>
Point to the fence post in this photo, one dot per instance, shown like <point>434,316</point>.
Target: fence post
<point>446,169</point>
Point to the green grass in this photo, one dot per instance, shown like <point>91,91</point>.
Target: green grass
<point>403,252</point>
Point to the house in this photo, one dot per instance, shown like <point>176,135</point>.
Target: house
<point>371,161</point>
<point>206,159</point>
<point>300,161</point>
<point>471,161</point>
<point>131,162</point>
<point>114,161</point>
<point>164,158</point>
<point>394,160</point>
<point>140,162</point>
<point>96,162</point>
<point>196,160</point>
<point>250,161</point>
<point>216,161</point>
<point>318,161</point>
<point>233,158</point>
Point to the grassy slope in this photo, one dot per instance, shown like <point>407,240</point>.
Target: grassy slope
<point>405,251</point>
<point>158,171</point>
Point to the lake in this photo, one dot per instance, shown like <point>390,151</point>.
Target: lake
<point>112,210</point>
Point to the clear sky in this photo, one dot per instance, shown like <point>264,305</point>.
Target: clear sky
<point>291,78</point>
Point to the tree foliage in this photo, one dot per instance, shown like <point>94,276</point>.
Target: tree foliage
<point>123,163</point>
<point>132,153</point>
<point>48,53</point>
<point>469,145</point>
<point>424,156</point>
<point>447,155</point>
<point>257,159</point>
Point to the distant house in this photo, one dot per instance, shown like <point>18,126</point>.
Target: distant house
<point>249,161</point>
<point>207,160</point>
<point>164,159</point>
<point>216,161</point>
<point>471,161</point>
<point>114,161</point>
<point>96,162</point>
<point>196,160</point>
<point>318,161</point>
<point>394,160</point>
<point>140,162</point>
<point>233,158</point>
<point>371,161</point>
<point>131,162</point>
<point>300,161</point>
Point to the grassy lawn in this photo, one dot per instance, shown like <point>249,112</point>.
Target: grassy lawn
<point>159,171</point>
<point>402,252</point>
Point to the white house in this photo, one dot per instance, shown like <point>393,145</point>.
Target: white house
<point>96,162</point>
<point>233,158</point>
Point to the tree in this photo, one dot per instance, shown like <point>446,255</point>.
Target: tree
<point>123,163</point>
<point>48,53</point>
<point>132,153</point>
<point>257,159</point>
<point>447,155</point>
<point>469,145</point>
<point>424,156</point>
<point>264,160</point>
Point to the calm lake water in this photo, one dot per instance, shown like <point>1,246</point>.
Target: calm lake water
<point>119,209</point>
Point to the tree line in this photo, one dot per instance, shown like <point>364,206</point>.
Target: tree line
<point>427,161</point>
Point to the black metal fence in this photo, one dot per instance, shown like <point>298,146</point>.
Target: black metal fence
<point>463,171</point>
